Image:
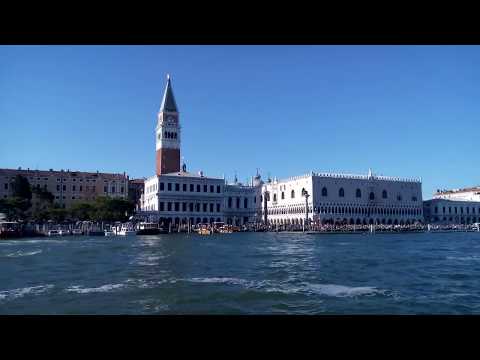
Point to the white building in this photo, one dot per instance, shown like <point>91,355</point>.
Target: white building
<point>177,196</point>
<point>457,206</point>
<point>343,199</point>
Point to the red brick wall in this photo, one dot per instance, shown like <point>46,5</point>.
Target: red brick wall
<point>168,161</point>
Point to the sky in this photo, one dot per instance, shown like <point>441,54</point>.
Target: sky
<point>406,111</point>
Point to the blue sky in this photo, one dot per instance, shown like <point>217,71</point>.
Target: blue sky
<point>409,111</point>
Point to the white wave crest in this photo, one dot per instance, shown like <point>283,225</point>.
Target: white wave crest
<point>343,291</point>
<point>23,253</point>
<point>17,293</point>
<point>464,258</point>
<point>103,288</point>
<point>222,280</point>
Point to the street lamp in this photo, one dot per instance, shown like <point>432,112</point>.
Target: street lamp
<point>306,195</point>
<point>266,197</point>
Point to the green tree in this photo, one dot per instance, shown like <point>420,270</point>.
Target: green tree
<point>43,195</point>
<point>82,211</point>
<point>43,202</point>
<point>57,214</point>
<point>21,188</point>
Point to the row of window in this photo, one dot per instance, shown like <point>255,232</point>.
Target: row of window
<point>73,197</point>
<point>346,221</point>
<point>461,220</point>
<point>191,187</point>
<point>341,193</point>
<point>238,201</point>
<point>197,207</point>
<point>170,135</point>
<point>346,210</point>
<point>455,209</point>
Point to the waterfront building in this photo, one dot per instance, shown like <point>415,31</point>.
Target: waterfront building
<point>342,199</point>
<point>179,197</point>
<point>68,187</point>
<point>135,191</point>
<point>452,207</point>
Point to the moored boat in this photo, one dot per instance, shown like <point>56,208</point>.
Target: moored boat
<point>145,228</point>
<point>124,230</point>
<point>10,230</point>
<point>204,229</point>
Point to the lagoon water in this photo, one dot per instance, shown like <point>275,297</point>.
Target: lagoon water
<point>242,273</point>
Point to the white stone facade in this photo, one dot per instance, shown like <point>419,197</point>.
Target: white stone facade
<point>449,212</point>
<point>187,198</point>
<point>343,199</point>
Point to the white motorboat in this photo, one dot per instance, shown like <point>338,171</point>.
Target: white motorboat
<point>109,233</point>
<point>125,230</point>
<point>77,232</point>
<point>54,233</point>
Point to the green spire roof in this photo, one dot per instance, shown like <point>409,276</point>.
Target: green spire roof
<point>168,101</point>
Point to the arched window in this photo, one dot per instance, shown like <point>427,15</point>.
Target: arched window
<point>399,197</point>
<point>341,192</point>
<point>358,193</point>
<point>414,198</point>
<point>384,194</point>
<point>324,192</point>
<point>274,197</point>
<point>245,203</point>
<point>371,196</point>
<point>229,202</point>
<point>292,194</point>
<point>283,195</point>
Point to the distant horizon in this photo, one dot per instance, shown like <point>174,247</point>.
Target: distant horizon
<point>400,110</point>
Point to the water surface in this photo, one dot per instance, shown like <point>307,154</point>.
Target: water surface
<point>242,273</point>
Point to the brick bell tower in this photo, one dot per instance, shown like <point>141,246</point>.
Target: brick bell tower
<point>168,134</point>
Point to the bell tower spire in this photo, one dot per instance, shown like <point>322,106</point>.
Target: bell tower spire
<point>168,133</point>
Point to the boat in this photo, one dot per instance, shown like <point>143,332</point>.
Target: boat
<point>10,230</point>
<point>204,229</point>
<point>124,230</point>
<point>109,233</point>
<point>145,228</point>
<point>225,229</point>
<point>53,233</point>
<point>77,232</point>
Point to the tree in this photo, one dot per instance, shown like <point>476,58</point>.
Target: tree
<point>21,188</point>
<point>82,211</point>
<point>43,195</point>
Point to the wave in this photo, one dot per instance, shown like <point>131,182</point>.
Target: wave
<point>21,292</point>
<point>147,260</point>
<point>23,253</point>
<point>103,288</point>
<point>343,291</point>
<point>464,258</point>
<point>221,280</point>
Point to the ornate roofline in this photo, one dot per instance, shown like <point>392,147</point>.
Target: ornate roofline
<point>351,176</point>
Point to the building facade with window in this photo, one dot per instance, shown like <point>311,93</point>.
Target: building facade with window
<point>452,207</point>
<point>178,197</point>
<point>68,186</point>
<point>343,199</point>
